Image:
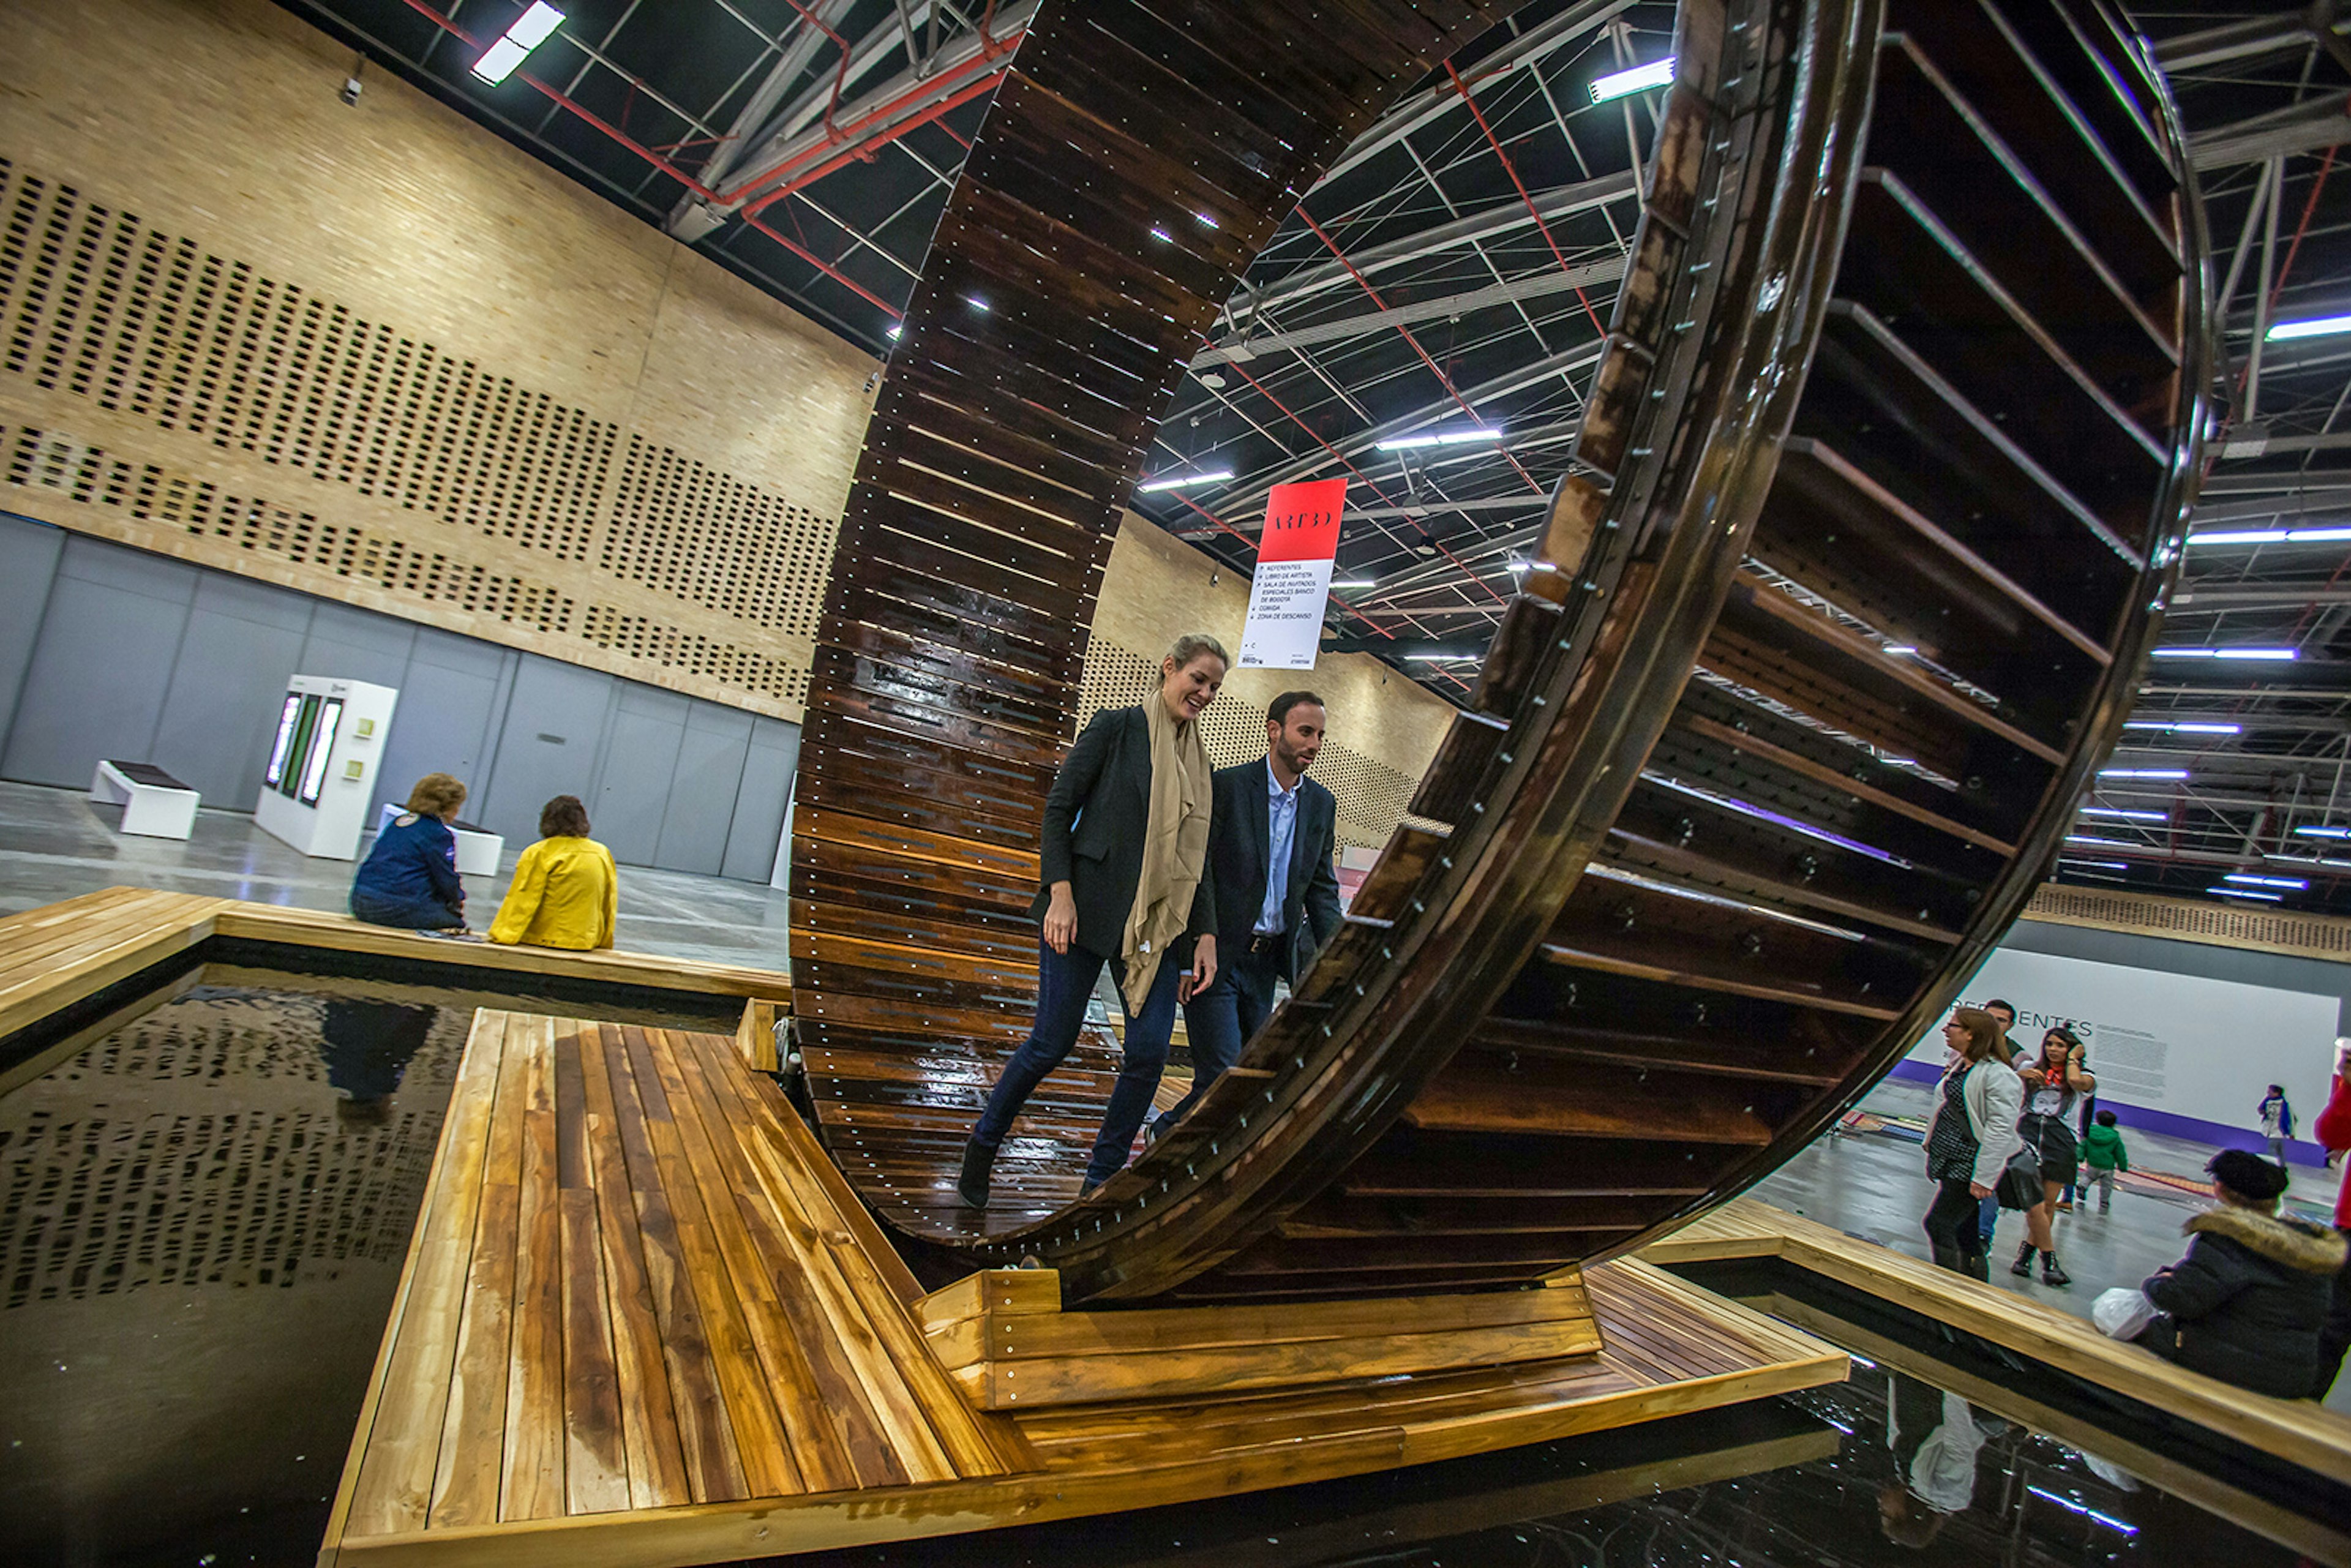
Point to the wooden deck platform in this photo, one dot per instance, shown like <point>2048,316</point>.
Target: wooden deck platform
<point>60,954</point>
<point>2298,1430</point>
<point>644,1321</point>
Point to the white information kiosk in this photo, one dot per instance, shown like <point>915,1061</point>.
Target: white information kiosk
<point>323,759</point>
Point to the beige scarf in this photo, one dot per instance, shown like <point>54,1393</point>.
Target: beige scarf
<point>1174,846</point>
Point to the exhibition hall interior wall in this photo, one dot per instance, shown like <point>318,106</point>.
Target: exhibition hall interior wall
<point>2184,1037</point>
<point>110,652</point>
<point>373,354</point>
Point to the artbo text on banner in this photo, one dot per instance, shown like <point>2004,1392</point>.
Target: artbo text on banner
<point>1294,574</point>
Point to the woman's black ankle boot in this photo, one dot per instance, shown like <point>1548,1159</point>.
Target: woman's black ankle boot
<point>2022,1267</point>
<point>978,1160</point>
<point>2051,1274</point>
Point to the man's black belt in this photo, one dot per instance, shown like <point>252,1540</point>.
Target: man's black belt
<point>1263,941</point>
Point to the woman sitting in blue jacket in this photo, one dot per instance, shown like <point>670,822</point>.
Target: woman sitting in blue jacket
<point>410,878</point>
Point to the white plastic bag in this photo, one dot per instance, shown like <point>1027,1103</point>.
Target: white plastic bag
<point>2121,1312</point>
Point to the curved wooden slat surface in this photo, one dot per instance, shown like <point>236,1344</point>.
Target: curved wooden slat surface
<point>1891,453</point>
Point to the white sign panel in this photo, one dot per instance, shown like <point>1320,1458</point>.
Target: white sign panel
<point>2179,1043</point>
<point>1292,585</point>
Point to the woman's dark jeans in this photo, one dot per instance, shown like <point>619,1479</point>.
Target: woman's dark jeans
<point>1951,1222</point>
<point>1064,983</point>
<point>405,913</point>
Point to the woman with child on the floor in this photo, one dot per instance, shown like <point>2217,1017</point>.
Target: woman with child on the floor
<point>2248,1302</point>
<point>2052,1086</point>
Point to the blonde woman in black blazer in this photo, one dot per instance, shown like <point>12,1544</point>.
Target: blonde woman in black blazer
<point>1123,874</point>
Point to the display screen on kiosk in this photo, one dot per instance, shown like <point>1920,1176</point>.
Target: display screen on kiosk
<point>281,749</point>
<point>305,723</point>
<point>322,746</point>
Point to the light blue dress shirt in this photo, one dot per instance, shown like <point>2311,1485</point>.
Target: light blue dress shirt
<point>1281,824</point>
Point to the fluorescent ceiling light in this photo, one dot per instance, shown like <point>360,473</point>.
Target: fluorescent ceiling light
<point>2128,816</point>
<point>2142,773</point>
<point>2284,331</point>
<point>2324,832</point>
<point>2252,880</point>
<point>2103,844</point>
<point>1518,567</point>
<point>1206,222</point>
<point>2227,653</point>
<point>530,29</point>
<point>1440,438</point>
<point>2269,536</point>
<point>1429,657</point>
<point>2101,865</point>
<point>2184,726</point>
<point>2246,893</point>
<point>1895,650</point>
<point>1656,73</point>
<point>1356,582</point>
<point>1161,235</point>
<point>897,330</point>
<point>2308,861</point>
<point>1182,480</point>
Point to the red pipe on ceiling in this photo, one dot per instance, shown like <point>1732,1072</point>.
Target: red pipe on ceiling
<point>662,163</point>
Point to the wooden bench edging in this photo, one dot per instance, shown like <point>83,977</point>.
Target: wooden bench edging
<point>2299,1431</point>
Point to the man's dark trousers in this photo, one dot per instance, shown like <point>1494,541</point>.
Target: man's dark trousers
<point>1220,1020</point>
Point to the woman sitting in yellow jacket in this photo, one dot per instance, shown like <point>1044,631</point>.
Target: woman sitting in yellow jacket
<point>564,890</point>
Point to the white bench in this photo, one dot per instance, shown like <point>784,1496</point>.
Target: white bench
<point>154,804</point>
<point>478,848</point>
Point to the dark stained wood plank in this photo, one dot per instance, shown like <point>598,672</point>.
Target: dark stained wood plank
<point>706,1429</point>
<point>656,1459</point>
<point>532,1483</point>
<point>761,1444</point>
<point>595,1456</point>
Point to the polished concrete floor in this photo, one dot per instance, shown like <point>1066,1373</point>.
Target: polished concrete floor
<point>55,843</point>
<point>1876,1188</point>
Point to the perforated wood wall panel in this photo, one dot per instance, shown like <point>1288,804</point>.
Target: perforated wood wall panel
<point>2186,920</point>
<point>196,404</point>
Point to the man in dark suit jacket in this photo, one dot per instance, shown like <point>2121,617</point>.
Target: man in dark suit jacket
<point>1270,844</point>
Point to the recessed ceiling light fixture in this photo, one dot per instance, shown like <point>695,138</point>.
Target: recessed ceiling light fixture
<point>2269,536</point>
<point>1641,78</point>
<point>1183,480</point>
<point>1439,438</point>
<point>530,29</point>
<point>2284,331</point>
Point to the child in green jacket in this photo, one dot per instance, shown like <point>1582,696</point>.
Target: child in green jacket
<point>2103,1152</point>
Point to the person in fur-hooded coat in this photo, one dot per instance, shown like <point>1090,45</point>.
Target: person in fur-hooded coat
<point>2247,1301</point>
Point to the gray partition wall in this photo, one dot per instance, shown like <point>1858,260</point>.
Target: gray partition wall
<point>107,650</point>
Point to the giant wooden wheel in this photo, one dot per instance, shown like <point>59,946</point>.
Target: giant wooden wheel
<point>1895,433</point>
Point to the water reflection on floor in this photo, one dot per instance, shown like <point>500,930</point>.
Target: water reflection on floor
<point>1883,1469</point>
<point>203,1216</point>
<point>203,1219</point>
